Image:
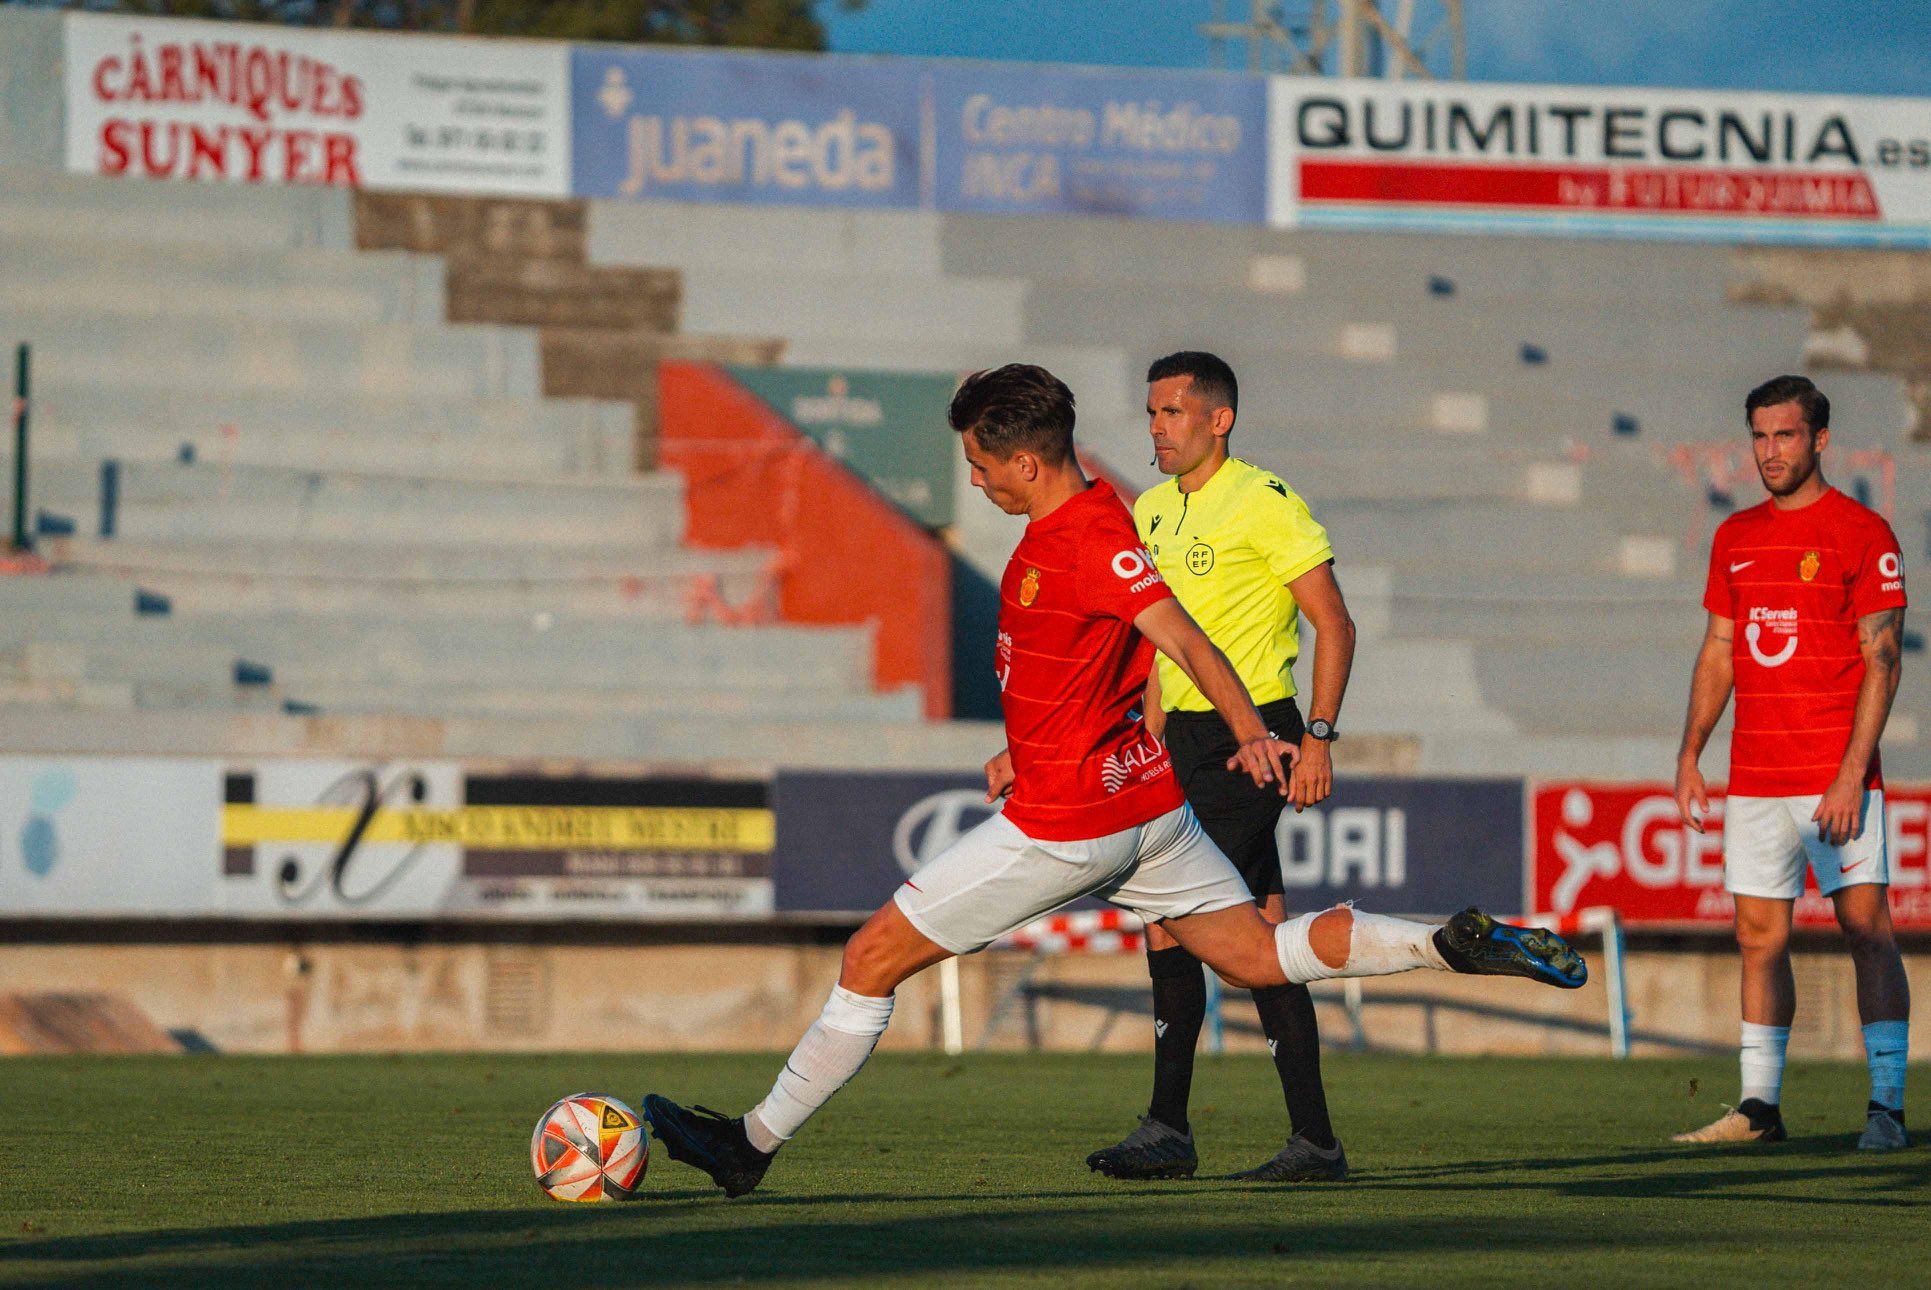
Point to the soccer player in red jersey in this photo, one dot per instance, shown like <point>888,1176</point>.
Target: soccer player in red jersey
<point>1816,583</point>
<point>1092,806</point>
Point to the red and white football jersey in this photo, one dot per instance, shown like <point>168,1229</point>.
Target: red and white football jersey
<point>1795,583</point>
<point>1073,671</point>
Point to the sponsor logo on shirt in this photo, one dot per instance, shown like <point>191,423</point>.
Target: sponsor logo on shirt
<point>1136,566</point>
<point>1122,765</point>
<point>1773,622</point>
<point>1807,570</point>
<point>1029,587</point>
<point>1890,567</point>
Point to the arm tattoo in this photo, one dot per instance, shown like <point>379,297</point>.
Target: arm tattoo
<point>1880,635</point>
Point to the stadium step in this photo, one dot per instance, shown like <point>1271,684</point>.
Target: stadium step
<point>766,238</point>
<point>1425,329</point>
<point>89,411</point>
<point>144,212</point>
<point>422,581</point>
<point>907,745</point>
<point>319,358</point>
<point>1327,265</point>
<point>870,305</point>
<point>206,501</point>
<point>129,280</point>
<point>189,655</point>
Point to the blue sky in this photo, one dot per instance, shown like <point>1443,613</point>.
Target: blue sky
<point>1823,46</point>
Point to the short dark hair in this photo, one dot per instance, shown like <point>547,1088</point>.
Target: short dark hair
<point>1790,389</point>
<point>1016,408</point>
<point>1213,380</point>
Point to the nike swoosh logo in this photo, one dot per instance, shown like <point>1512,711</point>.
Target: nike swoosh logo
<point>1745,565</point>
<point>1848,867</point>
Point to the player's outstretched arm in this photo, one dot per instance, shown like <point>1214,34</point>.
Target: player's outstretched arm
<point>1175,634</point>
<point>1880,638</point>
<point>1709,694</point>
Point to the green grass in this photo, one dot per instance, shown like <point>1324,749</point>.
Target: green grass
<point>355,1173</point>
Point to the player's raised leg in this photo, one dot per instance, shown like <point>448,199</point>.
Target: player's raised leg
<point>1343,941</point>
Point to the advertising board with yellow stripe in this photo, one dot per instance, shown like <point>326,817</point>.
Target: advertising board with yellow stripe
<point>308,839</point>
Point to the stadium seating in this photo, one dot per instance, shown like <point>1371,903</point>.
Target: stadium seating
<point>277,487</point>
<point>1511,442</point>
<point>280,448</point>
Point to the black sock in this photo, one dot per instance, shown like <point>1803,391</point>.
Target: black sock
<point>1287,1019</point>
<point>1179,1008</point>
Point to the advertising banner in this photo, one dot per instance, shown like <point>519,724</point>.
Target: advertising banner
<point>295,839</point>
<point>1028,140</point>
<point>1599,161</point>
<point>105,837</point>
<point>1624,846</point>
<point>237,103</point>
<point>310,839</point>
<point>890,427</point>
<point>846,840</point>
<point>654,125</point>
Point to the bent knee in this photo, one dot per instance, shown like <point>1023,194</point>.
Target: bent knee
<point>865,958</point>
<point>1331,935</point>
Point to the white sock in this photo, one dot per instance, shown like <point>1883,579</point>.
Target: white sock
<point>1377,946</point>
<point>1762,1061</point>
<point>832,1051</point>
<point>1887,1044</point>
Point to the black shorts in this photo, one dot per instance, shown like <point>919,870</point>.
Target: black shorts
<point>1237,815</point>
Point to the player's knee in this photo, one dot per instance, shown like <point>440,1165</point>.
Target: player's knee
<point>866,961</point>
<point>1331,936</point>
<point>1870,942</point>
<point>1762,939</point>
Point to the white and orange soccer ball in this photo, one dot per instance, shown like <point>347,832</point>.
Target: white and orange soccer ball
<point>589,1147</point>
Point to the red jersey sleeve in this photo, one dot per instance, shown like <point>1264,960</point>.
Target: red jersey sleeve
<point>1117,574</point>
<point>1877,579</point>
<point>1716,590</point>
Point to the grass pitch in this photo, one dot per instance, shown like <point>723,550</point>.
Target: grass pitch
<point>364,1172</point>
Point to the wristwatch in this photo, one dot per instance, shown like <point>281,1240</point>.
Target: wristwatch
<point>1323,729</point>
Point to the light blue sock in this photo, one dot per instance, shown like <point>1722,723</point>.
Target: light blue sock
<point>1887,1045</point>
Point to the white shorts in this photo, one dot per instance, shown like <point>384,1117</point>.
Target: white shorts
<point>995,879</point>
<point>1767,839</point>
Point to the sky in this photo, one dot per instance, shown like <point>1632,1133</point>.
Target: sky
<point>1815,46</point>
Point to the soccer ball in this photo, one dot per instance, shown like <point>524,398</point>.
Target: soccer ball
<point>589,1147</point>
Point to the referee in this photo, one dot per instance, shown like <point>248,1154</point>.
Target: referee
<point>1246,559</point>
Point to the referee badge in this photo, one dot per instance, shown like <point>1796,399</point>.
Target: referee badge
<point>1808,569</point>
<point>1029,588</point>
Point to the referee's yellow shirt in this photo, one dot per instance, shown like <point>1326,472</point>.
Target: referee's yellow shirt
<point>1228,549</point>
